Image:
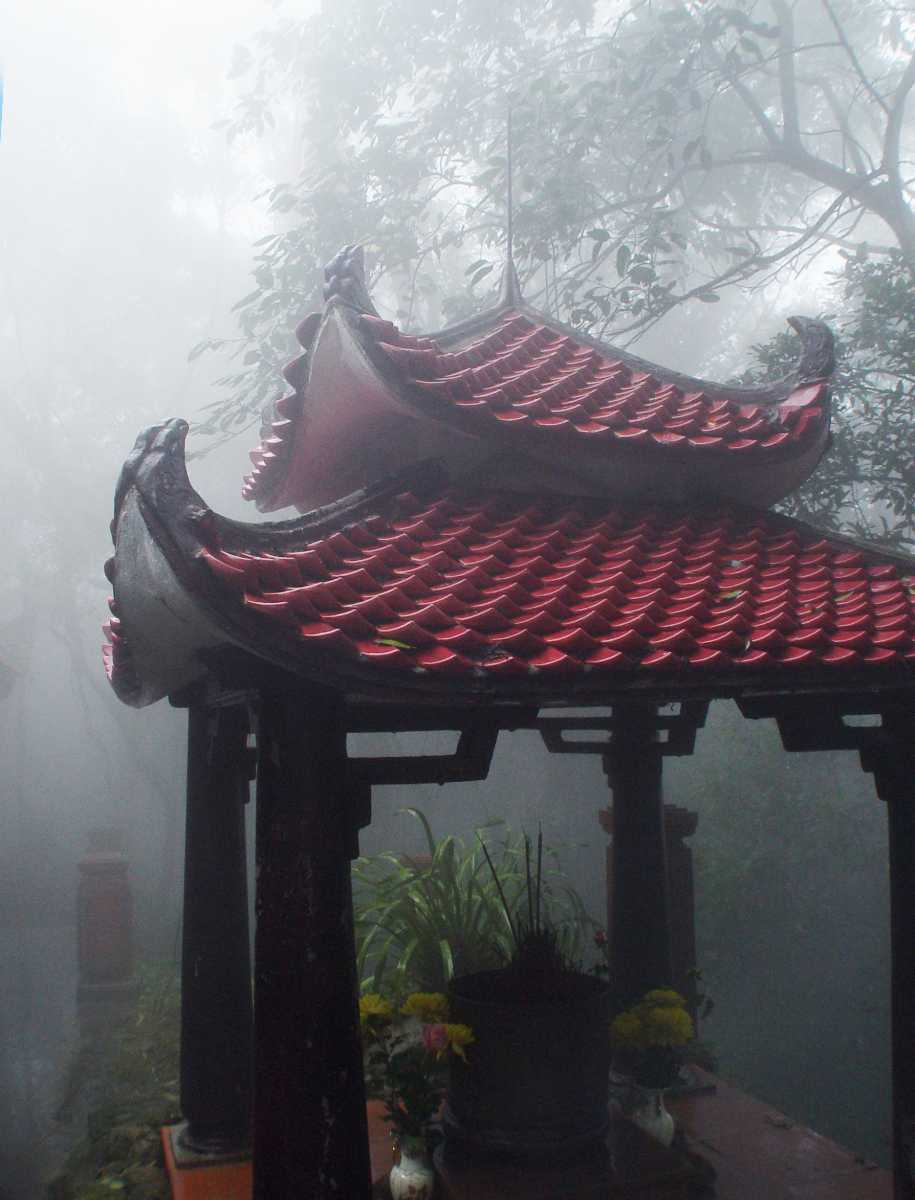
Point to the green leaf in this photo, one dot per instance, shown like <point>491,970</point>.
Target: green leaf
<point>708,297</point>
<point>623,258</point>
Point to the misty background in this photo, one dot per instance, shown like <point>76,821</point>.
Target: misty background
<point>128,226</point>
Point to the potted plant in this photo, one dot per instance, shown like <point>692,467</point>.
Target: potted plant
<point>407,1048</point>
<point>649,1042</point>
<point>421,920</point>
<point>535,1084</point>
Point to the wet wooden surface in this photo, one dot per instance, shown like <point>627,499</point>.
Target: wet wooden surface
<point>756,1152</point>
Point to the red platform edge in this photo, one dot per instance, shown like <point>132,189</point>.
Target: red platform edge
<point>233,1181</point>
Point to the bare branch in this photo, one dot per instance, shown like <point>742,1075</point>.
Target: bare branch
<point>891,162</point>
<point>855,149</point>
<point>853,58</point>
<point>733,273</point>
<point>787,82</point>
<point>752,104</point>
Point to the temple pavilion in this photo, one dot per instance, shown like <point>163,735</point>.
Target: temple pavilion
<point>504,524</point>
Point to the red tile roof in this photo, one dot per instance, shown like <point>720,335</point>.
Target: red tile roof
<point>502,584</point>
<point>524,373</point>
<point>516,382</point>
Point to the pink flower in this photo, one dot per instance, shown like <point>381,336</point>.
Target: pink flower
<point>435,1038</point>
<point>600,938</point>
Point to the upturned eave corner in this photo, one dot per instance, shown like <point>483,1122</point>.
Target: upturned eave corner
<point>518,380</point>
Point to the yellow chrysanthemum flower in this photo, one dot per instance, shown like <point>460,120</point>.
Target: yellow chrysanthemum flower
<point>431,1007</point>
<point>659,1019</point>
<point>459,1037</point>
<point>665,996</point>
<point>667,1025</point>
<point>374,1005</point>
<point>627,1030</point>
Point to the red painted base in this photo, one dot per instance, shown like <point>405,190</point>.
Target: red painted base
<point>228,1181</point>
<point>233,1181</point>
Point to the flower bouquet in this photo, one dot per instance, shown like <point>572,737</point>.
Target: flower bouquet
<point>648,1042</point>
<point>407,1048</point>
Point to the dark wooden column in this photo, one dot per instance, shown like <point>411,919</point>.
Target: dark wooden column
<point>679,824</point>
<point>640,941</point>
<point>216,1012</point>
<point>310,1131</point>
<point>892,761</point>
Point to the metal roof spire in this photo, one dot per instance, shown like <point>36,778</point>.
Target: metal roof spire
<point>511,285</point>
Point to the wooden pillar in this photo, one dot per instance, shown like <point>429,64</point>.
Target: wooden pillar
<point>892,761</point>
<point>640,940</point>
<point>216,1010</point>
<point>679,824</point>
<point>310,1131</point>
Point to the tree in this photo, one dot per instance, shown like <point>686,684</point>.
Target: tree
<point>664,153</point>
<point>866,483</point>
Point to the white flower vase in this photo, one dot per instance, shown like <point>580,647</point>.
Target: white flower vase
<point>650,1113</point>
<point>413,1177</point>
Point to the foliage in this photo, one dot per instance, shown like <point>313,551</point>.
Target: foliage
<point>866,483</point>
<point>650,1037</point>
<point>663,151</point>
<point>122,1153</point>
<point>406,1057</point>
<point>419,922</point>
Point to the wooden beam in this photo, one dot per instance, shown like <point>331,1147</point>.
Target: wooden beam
<point>216,1015</point>
<point>676,725</point>
<point>469,762</point>
<point>310,1132</point>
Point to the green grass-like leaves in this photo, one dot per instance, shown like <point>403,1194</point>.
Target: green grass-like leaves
<point>419,922</point>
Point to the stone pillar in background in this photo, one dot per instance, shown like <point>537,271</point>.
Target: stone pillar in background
<point>104,919</point>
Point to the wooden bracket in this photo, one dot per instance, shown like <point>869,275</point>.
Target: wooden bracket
<point>857,721</point>
<point>676,726</point>
<point>470,760</point>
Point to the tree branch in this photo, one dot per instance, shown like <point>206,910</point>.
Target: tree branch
<point>855,149</point>
<point>787,83</point>
<point>891,162</point>
<point>853,58</point>
<point>733,273</point>
<point>752,104</point>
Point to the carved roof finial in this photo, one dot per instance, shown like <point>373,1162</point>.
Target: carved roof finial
<point>344,279</point>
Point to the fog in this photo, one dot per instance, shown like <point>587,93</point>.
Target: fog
<point>127,231</point>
